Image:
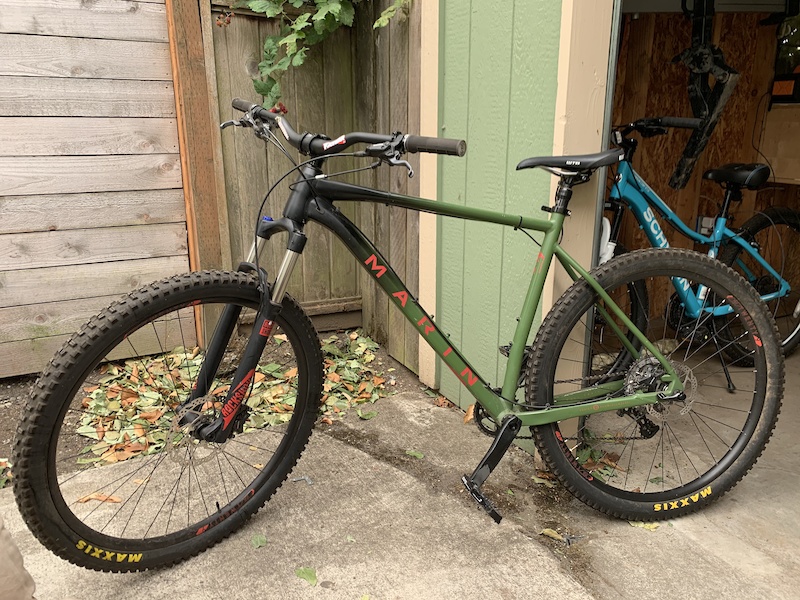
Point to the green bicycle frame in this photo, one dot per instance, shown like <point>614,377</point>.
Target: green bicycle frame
<point>498,403</point>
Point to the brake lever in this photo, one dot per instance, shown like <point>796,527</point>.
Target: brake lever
<point>395,161</point>
<point>387,152</point>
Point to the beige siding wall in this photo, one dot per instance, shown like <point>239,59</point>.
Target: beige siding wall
<point>91,203</point>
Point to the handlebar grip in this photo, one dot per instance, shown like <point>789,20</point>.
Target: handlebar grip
<point>242,105</point>
<point>245,105</point>
<point>434,145</point>
<point>681,122</point>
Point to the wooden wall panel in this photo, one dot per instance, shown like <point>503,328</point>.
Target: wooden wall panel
<point>650,84</point>
<point>91,201</point>
<point>60,136</point>
<point>84,58</point>
<point>142,20</point>
<point>53,212</point>
<point>27,175</point>
<point>59,97</point>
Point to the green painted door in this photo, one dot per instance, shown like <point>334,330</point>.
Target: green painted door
<point>498,77</point>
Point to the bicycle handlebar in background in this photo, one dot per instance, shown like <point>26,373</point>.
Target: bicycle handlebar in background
<point>317,145</point>
<point>681,122</point>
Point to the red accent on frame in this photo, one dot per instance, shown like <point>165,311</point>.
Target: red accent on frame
<point>402,296</point>
<point>266,328</point>
<point>372,263</point>
<point>233,403</point>
<point>428,327</point>
<point>471,378</point>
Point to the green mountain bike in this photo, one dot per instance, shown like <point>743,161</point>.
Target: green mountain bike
<point>637,402</point>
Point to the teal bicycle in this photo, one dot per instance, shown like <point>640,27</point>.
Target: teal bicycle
<point>764,249</point>
<point>639,411</point>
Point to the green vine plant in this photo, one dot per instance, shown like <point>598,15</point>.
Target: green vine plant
<point>303,24</point>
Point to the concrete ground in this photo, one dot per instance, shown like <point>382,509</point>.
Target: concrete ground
<point>377,523</point>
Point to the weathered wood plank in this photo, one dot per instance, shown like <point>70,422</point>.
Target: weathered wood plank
<point>56,318</point>
<point>309,100</point>
<point>56,136</point>
<point>87,246</point>
<point>48,319</point>
<point>30,356</point>
<point>103,209</point>
<point>195,129</point>
<point>43,56</point>
<point>107,19</point>
<point>29,175</point>
<point>398,250</point>
<point>208,24</point>
<point>112,278</point>
<point>237,50</point>
<point>338,75</point>
<point>412,217</point>
<point>364,61</point>
<point>383,124</point>
<point>53,96</point>
<point>277,164</point>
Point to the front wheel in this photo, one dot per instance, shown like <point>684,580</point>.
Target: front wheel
<point>670,458</point>
<point>109,473</point>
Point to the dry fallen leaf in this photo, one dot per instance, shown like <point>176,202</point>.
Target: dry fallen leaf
<point>643,525</point>
<point>100,498</point>
<point>470,414</point>
<point>443,402</point>
<point>152,416</point>
<point>552,533</point>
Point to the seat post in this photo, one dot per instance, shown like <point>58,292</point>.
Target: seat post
<point>732,192</point>
<point>564,191</point>
<point>563,195</point>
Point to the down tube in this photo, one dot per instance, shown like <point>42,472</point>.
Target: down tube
<point>378,267</point>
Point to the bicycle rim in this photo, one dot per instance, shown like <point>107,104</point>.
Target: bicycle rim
<point>130,486</point>
<point>779,244</point>
<point>672,457</point>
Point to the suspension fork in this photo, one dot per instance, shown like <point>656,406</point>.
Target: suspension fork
<point>271,301</point>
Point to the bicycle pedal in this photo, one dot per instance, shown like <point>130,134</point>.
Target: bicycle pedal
<point>479,497</point>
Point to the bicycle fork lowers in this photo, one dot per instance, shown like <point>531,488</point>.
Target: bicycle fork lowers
<point>234,414</point>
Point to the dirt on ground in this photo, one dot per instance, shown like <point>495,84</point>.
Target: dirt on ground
<point>14,392</point>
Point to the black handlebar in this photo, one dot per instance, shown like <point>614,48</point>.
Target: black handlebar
<point>418,143</point>
<point>680,122</point>
<point>317,145</point>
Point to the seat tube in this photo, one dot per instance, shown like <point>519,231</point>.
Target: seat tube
<point>532,299</point>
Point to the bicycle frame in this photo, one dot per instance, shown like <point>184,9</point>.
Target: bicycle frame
<point>498,403</point>
<point>634,192</point>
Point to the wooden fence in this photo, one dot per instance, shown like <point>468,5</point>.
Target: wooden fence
<point>91,200</point>
<point>100,165</point>
<point>359,80</point>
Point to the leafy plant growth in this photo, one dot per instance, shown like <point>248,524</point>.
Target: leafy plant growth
<point>5,472</point>
<point>303,24</point>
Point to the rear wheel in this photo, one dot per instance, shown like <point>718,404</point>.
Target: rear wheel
<point>669,458</point>
<point>109,478</point>
<point>775,233</point>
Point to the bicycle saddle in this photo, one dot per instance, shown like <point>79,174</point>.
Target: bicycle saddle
<point>750,176</point>
<point>584,162</point>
